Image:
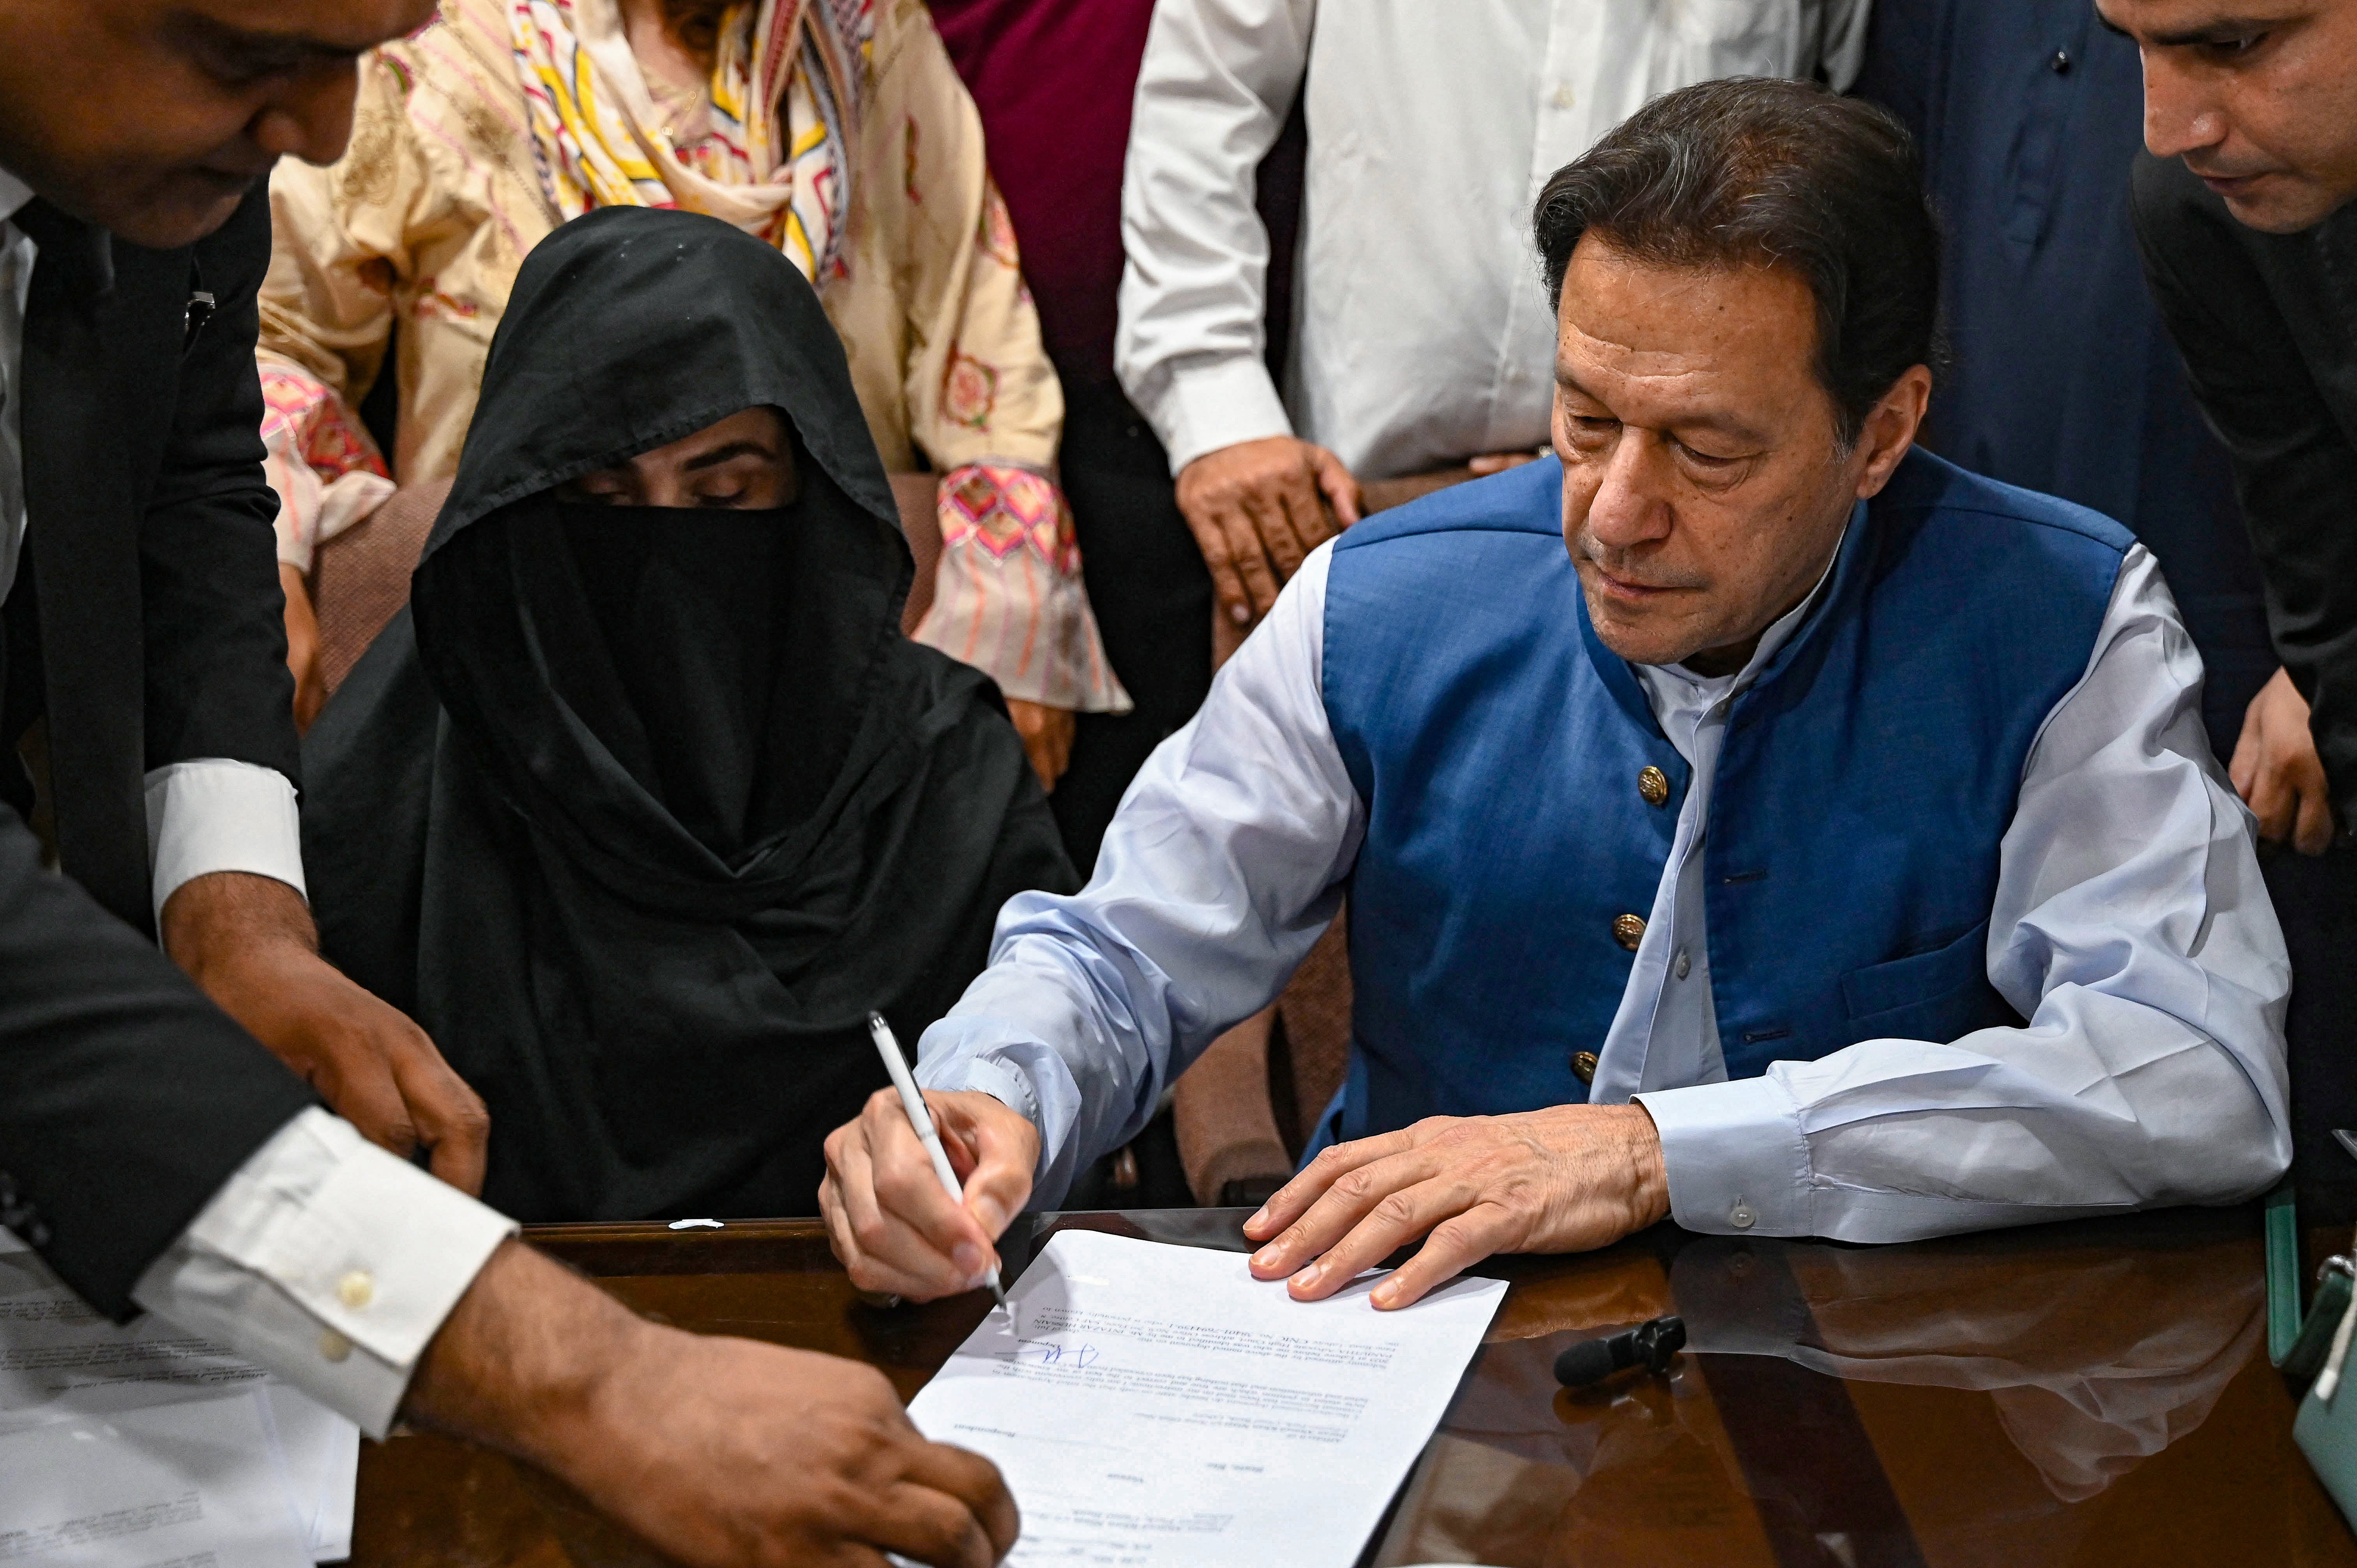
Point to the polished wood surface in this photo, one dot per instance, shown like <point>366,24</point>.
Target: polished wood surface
<point>2092,1393</point>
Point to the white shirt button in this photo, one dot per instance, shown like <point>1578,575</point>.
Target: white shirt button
<point>1564,96</point>
<point>334,1346</point>
<point>356,1289</point>
<point>1741,1217</point>
<point>1684,964</point>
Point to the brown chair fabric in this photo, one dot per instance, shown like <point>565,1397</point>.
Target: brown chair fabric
<point>1228,1141</point>
<point>1316,1013</point>
<point>360,579</point>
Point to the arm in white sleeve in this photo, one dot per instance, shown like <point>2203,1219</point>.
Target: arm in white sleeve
<point>2130,927</point>
<point>327,1261</point>
<point>1217,81</point>
<point>1215,879</point>
<point>212,814</point>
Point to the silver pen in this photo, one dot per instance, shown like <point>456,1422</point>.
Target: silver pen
<point>921,1121</point>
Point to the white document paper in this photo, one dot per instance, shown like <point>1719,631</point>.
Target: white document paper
<point>1158,1407</point>
<point>322,1455</point>
<point>193,1485</point>
<point>57,1356</point>
<point>60,1360</point>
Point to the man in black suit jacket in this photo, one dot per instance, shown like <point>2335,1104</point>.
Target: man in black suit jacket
<point>2244,210</point>
<point>149,1148</point>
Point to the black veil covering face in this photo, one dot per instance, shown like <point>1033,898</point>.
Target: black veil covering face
<point>639,810</point>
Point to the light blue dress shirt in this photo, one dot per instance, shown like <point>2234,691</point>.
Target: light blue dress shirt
<point>2129,926</point>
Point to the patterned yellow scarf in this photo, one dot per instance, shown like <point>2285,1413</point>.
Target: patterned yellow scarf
<point>784,111</point>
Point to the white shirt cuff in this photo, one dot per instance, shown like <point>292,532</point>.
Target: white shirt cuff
<point>962,1066</point>
<point>982,1076</point>
<point>328,1261</point>
<point>212,814</point>
<point>1736,1158</point>
<point>1208,403</point>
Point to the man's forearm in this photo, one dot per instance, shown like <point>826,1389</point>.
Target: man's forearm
<point>213,920</point>
<point>522,1360</point>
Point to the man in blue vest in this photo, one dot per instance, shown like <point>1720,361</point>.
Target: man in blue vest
<point>1825,842</point>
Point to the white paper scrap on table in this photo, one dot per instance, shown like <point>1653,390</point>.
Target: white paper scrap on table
<point>194,1483</point>
<point>1156,1406</point>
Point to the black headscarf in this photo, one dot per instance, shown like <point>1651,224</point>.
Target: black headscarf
<point>639,811</point>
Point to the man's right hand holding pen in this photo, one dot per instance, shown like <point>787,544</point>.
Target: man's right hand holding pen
<point>893,1228</point>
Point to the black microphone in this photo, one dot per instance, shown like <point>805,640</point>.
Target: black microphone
<point>1593,1361</point>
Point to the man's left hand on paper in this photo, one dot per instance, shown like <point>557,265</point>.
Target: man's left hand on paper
<point>1560,1180</point>
<point>893,1228</point>
<point>249,943</point>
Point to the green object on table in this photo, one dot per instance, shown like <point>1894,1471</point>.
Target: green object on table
<point>2308,1353</point>
<point>2285,1298</point>
<point>2326,1431</point>
<point>2326,1427</point>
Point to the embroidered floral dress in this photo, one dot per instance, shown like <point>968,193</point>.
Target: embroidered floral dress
<point>477,135</point>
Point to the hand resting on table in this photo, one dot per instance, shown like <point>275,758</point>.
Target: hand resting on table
<point>1564,1179</point>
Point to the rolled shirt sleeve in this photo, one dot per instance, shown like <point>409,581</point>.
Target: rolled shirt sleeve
<point>2130,927</point>
<point>1216,878</point>
<point>329,1262</point>
<point>213,814</point>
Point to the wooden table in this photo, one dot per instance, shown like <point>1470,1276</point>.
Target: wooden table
<point>2092,1393</point>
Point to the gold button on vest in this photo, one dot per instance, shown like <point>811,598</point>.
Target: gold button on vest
<point>1654,785</point>
<point>1583,1066</point>
<point>1629,931</point>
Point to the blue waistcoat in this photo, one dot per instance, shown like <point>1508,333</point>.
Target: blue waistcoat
<point>1864,782</point>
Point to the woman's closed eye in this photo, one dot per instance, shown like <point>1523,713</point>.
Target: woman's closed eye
<point>606,488</point>
<point>731,484</point>
<point>744,462</point>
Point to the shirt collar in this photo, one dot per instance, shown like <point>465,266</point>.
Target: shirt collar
<point>14,194</point>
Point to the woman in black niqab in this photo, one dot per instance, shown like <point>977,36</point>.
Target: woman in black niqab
<point>639,810</point>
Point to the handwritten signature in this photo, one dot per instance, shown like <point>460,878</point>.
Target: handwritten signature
<point>1048,1353</point>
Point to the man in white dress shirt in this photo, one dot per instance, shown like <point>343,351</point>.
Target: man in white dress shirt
<point>1417,341</point>
<point>151,1150</point>
<point>1825,842</point>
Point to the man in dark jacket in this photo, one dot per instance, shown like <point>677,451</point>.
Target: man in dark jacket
<point>2063,378</point>
<point>149,1148</point>
<point>2241,208</point>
